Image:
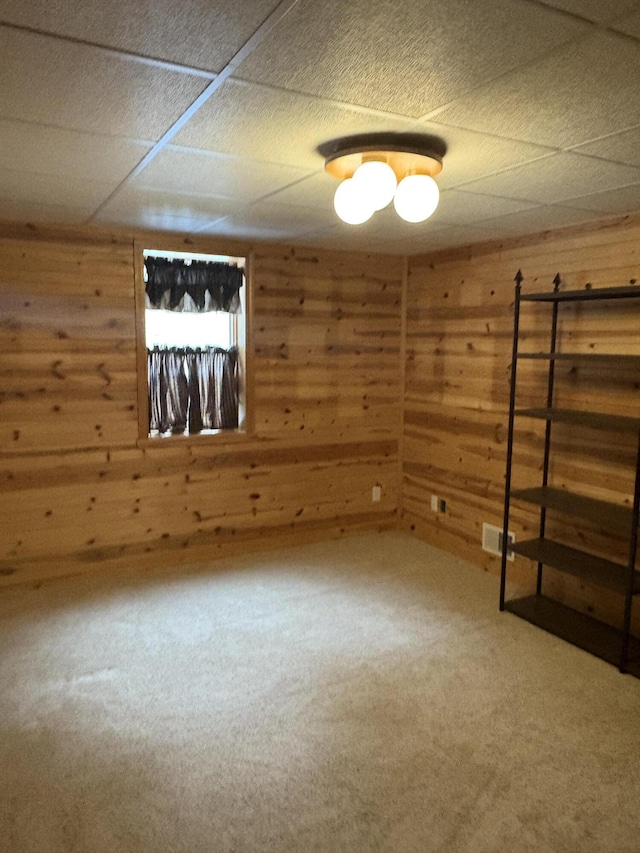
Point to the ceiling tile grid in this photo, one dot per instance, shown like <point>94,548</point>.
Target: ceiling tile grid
<point>149,208</point>
<point>471,155</point>
<point>618,202</point>
<point>619,147</point>
<point>533,220</point>
<point>32,188</point>
<point>594,10</point>
<point>557,178</point>
<point>314,190</point>
<point>582,92</point>
<point>67,153</point>
<point>462,208</point>
<point>291,125</point>
<point>407,59</point>
<point>72,86</point>
<point>385,226</point>
<point>205,173</point>
<point>18,210</point>
<point>629,24</point>
<point>270,220</point>
<point>193,32</point>
<point>536,100</point>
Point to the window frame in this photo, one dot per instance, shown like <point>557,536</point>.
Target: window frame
<point>245,429</point>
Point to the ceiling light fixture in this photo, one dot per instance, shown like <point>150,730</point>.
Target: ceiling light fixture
<point>377,168</point>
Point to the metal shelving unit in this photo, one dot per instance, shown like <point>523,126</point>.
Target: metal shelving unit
<point>617,646</point>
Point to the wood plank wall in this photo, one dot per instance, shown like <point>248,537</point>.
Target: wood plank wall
<point>459,337</point>
<point>79,491</point>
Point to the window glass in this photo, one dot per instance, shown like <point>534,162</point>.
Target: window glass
<point>195,349</point>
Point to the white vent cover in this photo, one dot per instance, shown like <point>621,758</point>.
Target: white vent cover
<point>492,540</point>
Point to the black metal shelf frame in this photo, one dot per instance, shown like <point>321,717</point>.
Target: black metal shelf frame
<point>615,646</point>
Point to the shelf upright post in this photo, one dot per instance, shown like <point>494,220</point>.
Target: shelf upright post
<point>547,432</point>
<point>633,544</point>
<point>512,399</point>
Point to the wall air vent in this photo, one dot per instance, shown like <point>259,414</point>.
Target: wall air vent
<point>492,541</point>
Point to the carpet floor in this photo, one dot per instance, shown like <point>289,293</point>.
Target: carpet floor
<point>360,695</point>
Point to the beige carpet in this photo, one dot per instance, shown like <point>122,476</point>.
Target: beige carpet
<point>362,695</point>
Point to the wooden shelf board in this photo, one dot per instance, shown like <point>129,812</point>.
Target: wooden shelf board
<point>577,628</point>
<point>628,292</point>
<point>604,513</point>
<point>597,420</point>
<point>594,359</point>
<point>580,564</point>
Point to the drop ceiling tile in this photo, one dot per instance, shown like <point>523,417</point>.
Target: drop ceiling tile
<point>293,217</point>
<point>630,24</point>
<point>319,189</point>
<point>30,188</point>
<point>316,190</point>
<point>469,156</point>
<point>200,172</point>
<point>14,210</point>
<point>155,220</point>
<point>614,202</point>
<point>73,86</point>
<point>620,147</point>
<point>556,178</point>
<point>594,10</point>
<point>531,221</point>
<point>239,229</point>
<point>384,247</point>
<point>473,155</point>
<point>461,208</point>
<point>385,225</point>
<point>410,62</point>
<point>342,240</point>
<point>585,91</point>
<point>349,243</point>
<point>54,151</point>
<point>446,239</point>
<point>426,240</point>
<point>269,220</point>
<point>261,123</point>
<point>198,33</point>
<point>150,208</point>
<point>543,218</point>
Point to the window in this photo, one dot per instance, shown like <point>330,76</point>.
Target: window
<point>194,329</point>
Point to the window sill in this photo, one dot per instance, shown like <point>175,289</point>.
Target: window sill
<point>222,436</point>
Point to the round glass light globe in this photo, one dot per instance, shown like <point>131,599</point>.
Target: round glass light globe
<point>378,180</point>
<point>351,204</point>
<point>416,198</point>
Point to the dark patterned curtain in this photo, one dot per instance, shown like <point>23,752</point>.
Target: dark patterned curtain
<point>192,389</point>
<point>198,286</point>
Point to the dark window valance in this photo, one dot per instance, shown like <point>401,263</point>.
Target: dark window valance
<point>197,286</point>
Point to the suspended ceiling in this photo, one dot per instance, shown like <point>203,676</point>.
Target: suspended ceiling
<point>203,117</point>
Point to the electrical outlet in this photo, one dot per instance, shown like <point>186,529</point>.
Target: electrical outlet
<point>376,494</point>
<point>434,503</point>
